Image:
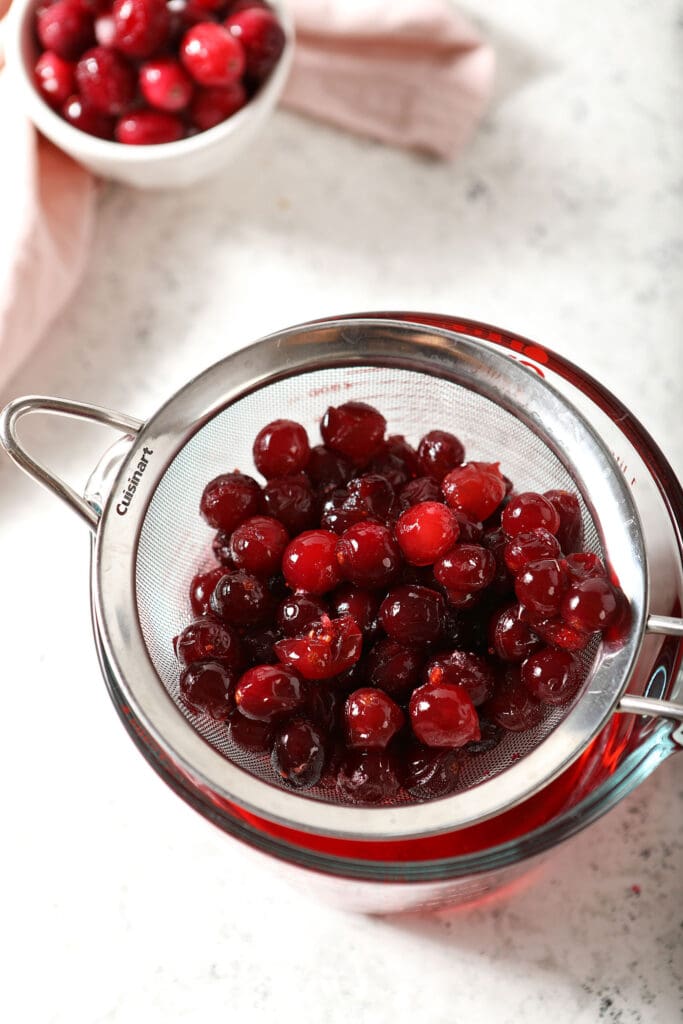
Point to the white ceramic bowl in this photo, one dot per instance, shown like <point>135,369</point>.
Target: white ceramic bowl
<point>169,165</point>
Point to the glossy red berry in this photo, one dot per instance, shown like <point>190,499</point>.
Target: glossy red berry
<point>372,493</point>
<point>326,468</point>
<point>241,599</point>
<point>267,692</point>
<point>540,587</point>
<point>443,715</point>
<point>397,447</point>
<point>466,567</point>
<point>298,755</point>
<point>470,531</point>
<point>148,128</point>
<point>475,489</point>
<point>328,647</point>
<point>510,637</point>
<point>584,565</point>
<point>391,467</point>
<point>206,689</point>
<point>422,488</point>
<point>368,776</point>
<point>212,55</point>
<point>213,105</point>
<point>354,430</point>
<point>202,587</point>
<point>530,547</point>
<point>412,614</point>
<point>297,612</point>
<point>439,452</point>
<point>570,531</point>
<point>394,668</point>
<point>428,773</point>
<point>206,640</point>
<point>141,27</point>
<point>106,81</point>
<point>258,544</point>
<point>513,707</point>
<point>80,116</point>
<point>552,676</point>
<point>559,634</point>
<point>368,555</point>
<point>426,531</point>
<point>310,562</point>
<point>372,718</point>
<point>462,668</point>
<point>230,499</point>
<point>165,84</point>
<point>262,37</point>
<point>281,449</point>
<point>65,29</point>
<point>55,78</point>
<point>291,500</point>
<point>590,605</point>
<point>529,511</point>
<point>249,734</point>
<point>362,605</point>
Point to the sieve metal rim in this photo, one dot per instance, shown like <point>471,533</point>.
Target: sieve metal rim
<point>371,342</point>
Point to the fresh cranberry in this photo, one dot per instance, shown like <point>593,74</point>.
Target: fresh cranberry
<point>105,30</point>
<point>529,511</point>
<point>422,489</point>
<point>584,565</point>
<point>310,562</point>
<point>491,735</point>
<point>65,29</point>
<point>142,26</point>
<point>551,675</point>
<point>297,612</point>
<point>212,55</point>
<point>590,605</point>
<point>354,430</point>
<point>394,668</point>
<point>443,715</point>
<point>559,634</point>
<point>206,689</point>
<point>148,128</point>
<point>298,754</point>
<point>213,105</point>
<point>570,530</point>
<point>466,567</point>
<point>512,707</point>
<point>80,116</point>
<point>428,773</point>
<point>55,78</point>
<point>368,776</point>
<point>540,586</point>
<point>462,668</point>
<point>262,37</point>
<point>267,692</point>
<point>475,489</point>
<point>258,544</point>
<point>370,492</point>
<point>230,499</point>
<point>439,452</point>
<point>241,599</point>
<point>202,587</point>
<point>372,719</point>
<point>326,468</point>
<point>291,500</point>
<point>329,647</point>
<point>165,84</point>
<point>510,637</point>
<point>530,547</point>
<point>206,640</point>
<point>361,605</point>
<point>426,531</point>
<point>106,80</point>
<point>249,734</point>
<point>412,615</point>
<point>281,449</point>
<point>368,555</point>
<point>259,645</point>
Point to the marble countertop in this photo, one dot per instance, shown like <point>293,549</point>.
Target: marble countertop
<point>562,221</point>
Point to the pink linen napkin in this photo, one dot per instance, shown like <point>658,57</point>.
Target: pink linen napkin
<point>410,73</point>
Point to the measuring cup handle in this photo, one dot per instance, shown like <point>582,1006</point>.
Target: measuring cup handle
<point>13,412</point>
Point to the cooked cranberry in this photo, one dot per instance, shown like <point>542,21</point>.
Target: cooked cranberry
<point>391,467</point>
<point>496,542</point>
<point>241,599</point>
<point>337,519</point>
<point>512,707</point>
<point>206,688</point>
<point>368,555</point>
<point>423,488</point>
<point>584,565</point>
<point>262,37</point>
<point>326,468</point>
<point>412,615</point>
<point>310,562</point>
<point>530,547</point>
<point>552,676</point>
<point>148,128</point>
<point>529,511</point>
<point>55,78</point>
<point>298,754</point>
<point>202,587</point>
<point>212,55</point>
<point>328,647</point>
<point>230,499</point>
<point>281,449</point>
<point>570,530</point>
<point>397,446</point>
<point>207,639</point>
<point>466,567</point>
<point>439,452</point>
<point>361,605</point>
<point>589,605</point>
<point>267,692</point>
<point>142,27</point>
<point>106,80</point>
<point>259,645</point>
<point>258,544</point>
<point>372,719</point>
<point>559,634</point>
<point>291,500</point>
<point>213,105</point>
<point>476,489</point>
<point>298,611</point>
<point>165,84</point>
<point>394,668</point>
<point>65,29</point>
<point>371,492</point>
<point>491,735</point>
<point>249,734</point>
<point>462,668</point>
<point>540,586</point>
<point>510,637</point>
<point>425,532</point>
<point>428,773</point>
<point>355,430</point>
<point>368,776</point>
<point>86,120</point>
<point>443,715</point>
<point>463,599</point>
<point>470,531</point>
<point>220,545</point>
<point>323,707</point>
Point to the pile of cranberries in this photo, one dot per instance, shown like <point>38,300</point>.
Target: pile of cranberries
<point>144,72</point>
<point>380,613</point>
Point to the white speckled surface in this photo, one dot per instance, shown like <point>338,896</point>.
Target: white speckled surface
<point>562,221</point>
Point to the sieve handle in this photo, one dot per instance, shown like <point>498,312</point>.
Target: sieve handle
<point>9,419</point>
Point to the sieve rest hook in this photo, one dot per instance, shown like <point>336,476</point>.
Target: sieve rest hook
<point>9,419</point>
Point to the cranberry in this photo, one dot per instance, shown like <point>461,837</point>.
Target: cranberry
<point>496,542</point>
<point>428,773</point>
<point>281,449</point>
<point>443,715</point>
<point>298,754</point>
<point>262,37</point>
<point>354,430</point>
<point>372,719</point>
<point>55,78</point>
<point>397,446</point>
<point>491,735</point>
<point>230,499</point>
<point>267,692</point>
<point>298,611</point>
<point>461,668</point>
<point>590,605</point>
<point>509,635</point>
<point>470,531</point>
<point>310,562</point>
<point>559,634</point>
<point>412,614</point>
<point>584,565</point>
<point>475,489</point>
<point>165,84</point>
<point>326,649</point>
<point>213,105</point>
<point>529,511</point>
<point>148,128</point>
<point>540,586</point>
<point>530,547</point>
<point>241,599</point>
<point>512,707</point>
<point>466,567</point>
<point>142,27</point>
<point>220,545</point>
<point>372,493</point>
<point>322,708</point>
<point>106,81</point>
<point>425,532</point>
<point>212,55</point>
<point>105,30</point>
<point>368,555</point>
<point>423,488</point>
<point>394,668</point>
<point>202,587</point>
<point>258,544</point>
<point>206,688</point>
<point>391,467</point>
<point>327,468</point>
<point>249,734</point>
<point>259,645</point>
<point>291,500</point>
<point>65,29</point>
<point>361,605</point>
<point>552,676</point>
<point>207,639</point>
<point>570,530</point>
<point>462,599</point>
<point>368,776</point>
<point>439,452</point>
